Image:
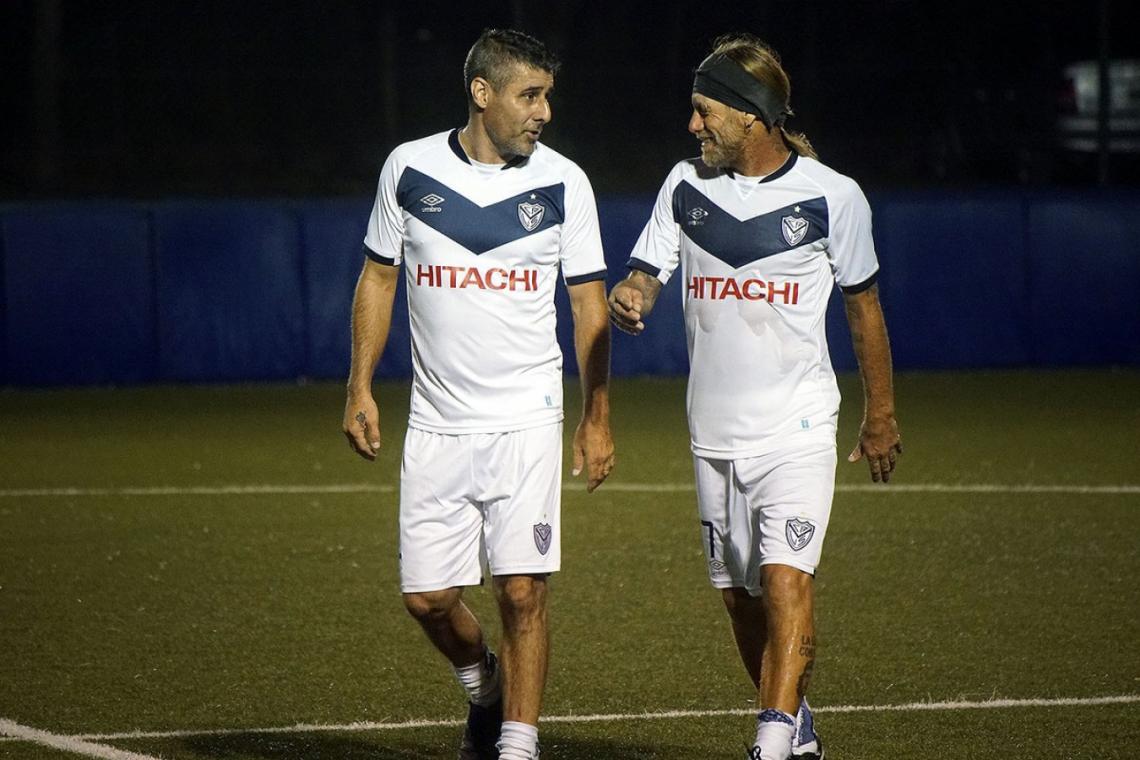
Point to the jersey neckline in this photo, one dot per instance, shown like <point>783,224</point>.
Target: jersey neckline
<point>457,149</point>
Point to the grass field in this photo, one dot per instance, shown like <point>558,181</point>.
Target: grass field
<point>212,568</point>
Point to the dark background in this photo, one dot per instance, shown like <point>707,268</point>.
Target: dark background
<point>146,99</point>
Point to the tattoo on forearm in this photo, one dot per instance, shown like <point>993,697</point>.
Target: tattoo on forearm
<point>362,418</point>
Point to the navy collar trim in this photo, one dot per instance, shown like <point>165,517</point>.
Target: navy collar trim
<point>457,149</point>
<point>786,167</point>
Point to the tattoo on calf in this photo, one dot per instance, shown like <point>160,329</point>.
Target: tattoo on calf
<point>805,679</point>
<point>807,650</point>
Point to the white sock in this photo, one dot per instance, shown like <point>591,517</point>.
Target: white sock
<point>482,688</point>
<point>518,741</point>
<point>774,732</point>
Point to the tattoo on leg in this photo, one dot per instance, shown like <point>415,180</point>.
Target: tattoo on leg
<point>362,418</point>
<point>805,679</point>
<point>807,650</point>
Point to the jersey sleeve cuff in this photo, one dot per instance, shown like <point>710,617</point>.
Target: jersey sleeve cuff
<point>643,266</point>
<point>578,279</point>
<point>851,290</point>
<point>385,260</point>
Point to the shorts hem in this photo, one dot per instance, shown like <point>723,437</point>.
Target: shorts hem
<point>424,588</point>
<point>804,566</point>
<point>526,570</point>
<point>488,429</point>
<point>818,436</point>
<point>722,585</point>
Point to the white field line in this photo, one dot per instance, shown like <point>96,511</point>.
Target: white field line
<point>269,489</point>
<point>73,744</point>
<point>301,728</point>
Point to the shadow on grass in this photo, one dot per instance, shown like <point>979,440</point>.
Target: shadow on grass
<point>371,747</point>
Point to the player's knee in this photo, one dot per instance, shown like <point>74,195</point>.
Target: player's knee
<point>431,605</point>
<point>786,587</point>
<point>737,600</point>
<point>521,595</point>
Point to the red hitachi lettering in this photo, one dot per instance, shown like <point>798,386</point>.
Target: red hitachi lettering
<point>783,291</point>
<point>519,277</point>
<point>731,289</point>
<point>462,278</point>
<point>502,283</point>
<point>473,279</point>
<point>749,293</point>
<point>749,290</point>
<point>454,271</point>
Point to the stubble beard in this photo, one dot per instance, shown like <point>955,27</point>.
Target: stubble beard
<point>510,147</point>
<point>720,156</point>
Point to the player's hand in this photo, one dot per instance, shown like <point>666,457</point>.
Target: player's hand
<point>362,425</point>
<point>594,449</point>
<point>625,305</point>
<point>880,443</point>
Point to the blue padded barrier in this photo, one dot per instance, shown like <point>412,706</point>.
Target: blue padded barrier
<point>230,294</point>
<point>660,350</point>
<point>953,285</point>
<point>78,295</point>
<point>332,234</point>
<point>1085,279</point>
<point>243,290</point>
<point>5,378</point>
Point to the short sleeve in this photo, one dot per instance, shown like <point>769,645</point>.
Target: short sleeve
<point>580,245</point>
<point>658,249</point>
<point>384,239</point>
<point>851,249</point>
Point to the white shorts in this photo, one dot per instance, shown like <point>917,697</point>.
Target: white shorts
<point>771,509</point>
<point>485,496</point>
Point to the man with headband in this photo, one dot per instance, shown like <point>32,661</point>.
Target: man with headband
<point>763,231</point>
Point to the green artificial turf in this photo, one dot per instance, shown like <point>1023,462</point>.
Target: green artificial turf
<point>204,612</point>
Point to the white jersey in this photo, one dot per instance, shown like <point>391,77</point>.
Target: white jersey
<point>481,247</point>
<point>759,260</point>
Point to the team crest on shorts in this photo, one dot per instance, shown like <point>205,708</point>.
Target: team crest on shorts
<point>530,216</point>
<point>794,229</point>
<point>542,534</point>
<point>798,533</point>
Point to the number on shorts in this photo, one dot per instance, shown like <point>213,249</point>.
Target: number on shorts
<point>712,550</point>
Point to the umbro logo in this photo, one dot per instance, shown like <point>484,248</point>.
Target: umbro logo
<point>697,216</point>
<point>431,203</point>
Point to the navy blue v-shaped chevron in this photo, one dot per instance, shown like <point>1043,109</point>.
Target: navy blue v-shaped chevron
<point>737,242</point>
<point>479,228</point>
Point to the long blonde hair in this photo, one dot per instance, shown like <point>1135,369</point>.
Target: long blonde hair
<point>762,62</point>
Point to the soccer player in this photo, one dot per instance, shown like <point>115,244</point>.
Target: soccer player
<point>762,231</point>
<point>482,219</point>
